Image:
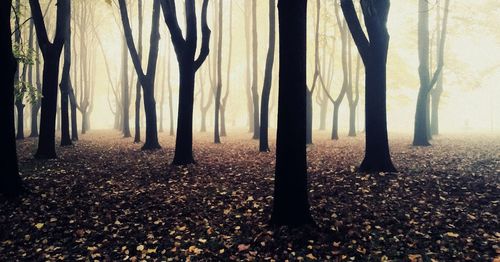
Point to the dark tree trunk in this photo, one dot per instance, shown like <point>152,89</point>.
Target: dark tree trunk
<point>65,84</point>
<point>73,101</point>
<point>185,49</point>
<point>291,206</point>
<point>125,92</point>
<point>268,80</point>
<point>353,102</point>
<point>10,181</point>
<point>20,120</point>
<point>309,117</point>
<point>374,54</point>
<point>255,71</point>
<point>35,105</point>
<point>137,131</point>
<point>184,140</point>
<point>147,79</point>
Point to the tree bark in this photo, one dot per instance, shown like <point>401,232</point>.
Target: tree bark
<point>65,84</point>
<point>291,206</point>
<point>373,51</point>
<point>268,79</point>
<point>218,89</point>
<point>185,49</point>
<point>255,71</point>
<point>137,131</point>
<point>10,181</point>
<point>51,53</point>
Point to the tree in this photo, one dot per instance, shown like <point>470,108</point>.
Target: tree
<point>137,131</point>
<point>223,105</point>
<point>255,71</point>
<point>35,105</point>
<point>218,88</point>
<point>268,79</point>
<point>185,49</point>
<point>373,50</point>
<point>291,206</point>
<point>316,75</point>
<point>51,53</point>
<point>10,181</point>
<point>353,94</point>
<point>66,83</point>
<point>125,94</point>
<point>147,79</point>
<point>420,136</point>
<point>438,90</point>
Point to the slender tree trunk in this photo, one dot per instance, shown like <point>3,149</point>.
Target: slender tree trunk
<point>125,92</point>
<point>255,71</point>
<point>65,85</point>
<point>248,38</point>
<point>35,105</point>
<point>10,181</point>
<point>335,122</point>
<point>436,98</point>
<point>218,90</point>
<point>291,161</point>
<point>223,131</point>
<point>137,136</point>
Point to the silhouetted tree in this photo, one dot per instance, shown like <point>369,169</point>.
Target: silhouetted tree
<point>185,49</point>
<point>137,131</point>
<point>218,88</point>
<point>10,181</point>
<point>66,83</point>
<point>255,71</point>
<point>291,206</point>
<point>35,105</point>
<point>223,105</point>
<point>147,80</point>
<point>268,79</point>
<point>353,94</point>
<point>373,50</point>
<point>421,135</point>
<point>51,54</point>
<point>125,103</point>
<point>438,90</point>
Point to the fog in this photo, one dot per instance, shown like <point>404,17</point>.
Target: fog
<point>470,75</point>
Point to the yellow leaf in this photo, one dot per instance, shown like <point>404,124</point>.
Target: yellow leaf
<point>151,251</point>
<point>140,248</point>
<point>203,241</point>
<point>39,226</point>
<point>311,256</point>
<point>452,234</point>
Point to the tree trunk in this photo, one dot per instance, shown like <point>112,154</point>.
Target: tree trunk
<point>35,106</point>
<point>309,116</point>
<point>291,161</point>
<point>125,92</point>
<point>137,131</point>
<point>335,122</point>
<point>65,85</point>
<point>218,90</point>
<point>377,154</point>
<point>436,98</point>
<point>255,70</point>
<point>46,141</point>
<point>322,114</point>
<point>184,139</point>
<point>352,120</point>
<point>151,142</point>
<point>20,120</point>
<point>10,181</point>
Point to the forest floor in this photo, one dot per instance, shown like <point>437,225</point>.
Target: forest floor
<point>104,199</point>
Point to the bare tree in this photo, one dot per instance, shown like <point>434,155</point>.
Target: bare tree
<point>185,49</point>
<point>373,50</point>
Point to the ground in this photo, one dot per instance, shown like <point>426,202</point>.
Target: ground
<point>105,199</point>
